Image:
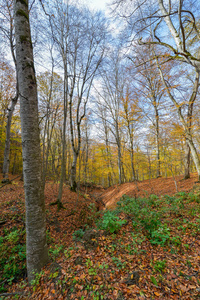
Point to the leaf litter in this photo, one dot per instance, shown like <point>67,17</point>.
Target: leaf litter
<point>142,259</point>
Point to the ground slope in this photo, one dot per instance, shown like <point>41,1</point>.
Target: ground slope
<point>158,186</point>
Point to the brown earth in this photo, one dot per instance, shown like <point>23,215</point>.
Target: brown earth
<point>158,186</point>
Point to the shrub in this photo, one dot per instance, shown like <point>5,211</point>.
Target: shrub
<point>160,236</point>
<point>110,222</point>
<point>78,234</point>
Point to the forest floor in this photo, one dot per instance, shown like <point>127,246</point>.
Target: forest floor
<point>159,186</point>
<point>147,247</point>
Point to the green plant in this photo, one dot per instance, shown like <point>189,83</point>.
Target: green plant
<point>13,237</point>
<point>89,263</point>
<point>181,195</point>
<point>176,240</point>
<point>12,256</point>
<point>50,239</point>
<point>170,199</point>
<point>92,272</point>
<point>160,236</point>
<point>159,265</point>
<point>103,266</point>
<point>181,227</point>
<point>151,221</point>
<point>55,252</point>
<point>154,281</point>
<point>119,264</point>
<point>78,234</point>
<point>36,280</point>
<point>110,222</point>
<point>92,215</point>
<point>192,197</point>
<point>67,252</point>
<point>153,200</point>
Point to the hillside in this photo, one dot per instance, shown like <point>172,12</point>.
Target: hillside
<point>146,248</point>
<point>158,186</point>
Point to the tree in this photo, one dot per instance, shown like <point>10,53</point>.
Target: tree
<point>185,121</point>
<point>36,247</point>
<point>8,31</point>
<point>80,40</point>
<point>7,90</point>
<point>104,135</point>
<point>150,91</point>
<point>50,95</point>
<point>131,114</point>
<point>180,20</point>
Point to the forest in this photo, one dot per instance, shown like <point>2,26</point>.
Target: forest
<point>99,150</point>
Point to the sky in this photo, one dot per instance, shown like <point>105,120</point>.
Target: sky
<point>98,4</point>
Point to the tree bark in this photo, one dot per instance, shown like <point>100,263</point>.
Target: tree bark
<point>73,183</point>
<point>6,161</point>
<point>187,162</point>
<point>63,162</point>
<point>36,246</point>
<point>157,141</point>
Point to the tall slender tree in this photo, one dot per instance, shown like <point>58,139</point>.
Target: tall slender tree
<point>7,29</point>
<point>36,246</point>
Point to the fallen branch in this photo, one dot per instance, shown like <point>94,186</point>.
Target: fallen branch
<point>9,181</point>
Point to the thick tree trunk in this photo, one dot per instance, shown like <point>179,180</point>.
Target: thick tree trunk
<point>36,247</point>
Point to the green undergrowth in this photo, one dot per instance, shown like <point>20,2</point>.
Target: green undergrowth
<point>12,256</point>
<point>150,217</point>
<point>139,227</point>
<point>148,233</point>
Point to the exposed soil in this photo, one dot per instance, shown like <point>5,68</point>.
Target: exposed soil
<point>158,186</point>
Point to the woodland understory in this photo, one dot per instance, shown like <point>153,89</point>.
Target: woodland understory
<point>148,249</point>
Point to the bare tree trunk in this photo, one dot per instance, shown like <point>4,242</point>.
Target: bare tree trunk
<point>187,162</point>
<point>6,161</point>
<point>36,246</point>
<point>157,142</point>
<point>73,183</point>
<point>119,163</point>
<point>63,163</point>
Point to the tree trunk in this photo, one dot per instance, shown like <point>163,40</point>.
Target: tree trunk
<point>187,162</point>
<point>119,164</point>
<point>194,154</point>
<point>73,183</point>
<point>63,162</point>
<point>157,144</point>
<point>36,246</point>
<point>6,161</point>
